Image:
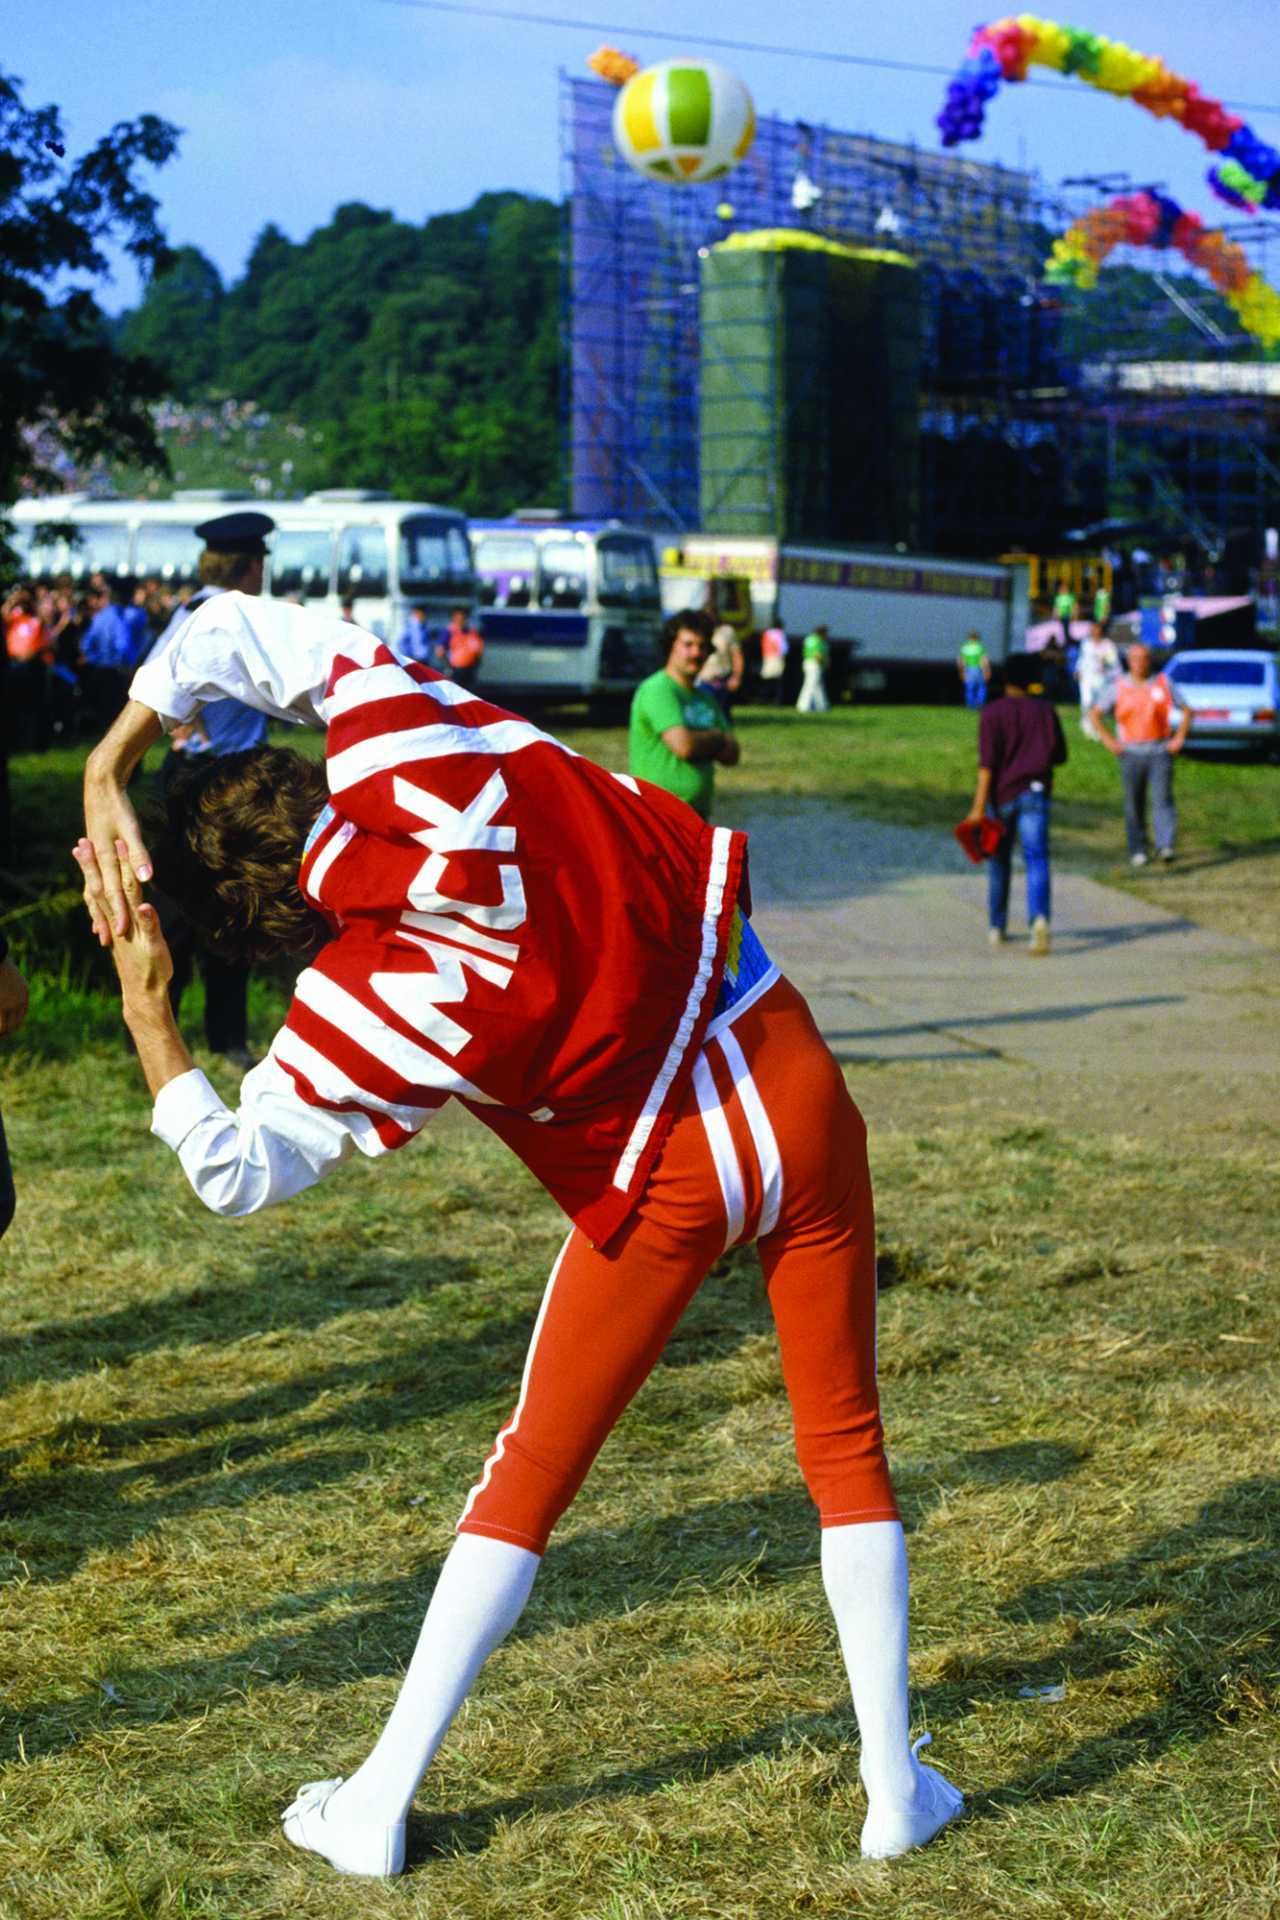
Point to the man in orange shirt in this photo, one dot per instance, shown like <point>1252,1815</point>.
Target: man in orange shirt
<point>1145,742</point>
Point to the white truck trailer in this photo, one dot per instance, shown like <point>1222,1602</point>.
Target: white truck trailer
<point>895,621</point>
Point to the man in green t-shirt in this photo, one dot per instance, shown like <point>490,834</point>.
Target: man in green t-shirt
<point>974,669</point>
<point>678,729</point>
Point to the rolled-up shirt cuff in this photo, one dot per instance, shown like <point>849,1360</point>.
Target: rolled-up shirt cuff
<point>155,687</point>
<point>181,1105</point>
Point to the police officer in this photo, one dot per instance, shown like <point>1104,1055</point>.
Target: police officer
<point>234,558</point>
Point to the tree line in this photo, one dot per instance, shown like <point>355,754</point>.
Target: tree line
<point>426,356</point>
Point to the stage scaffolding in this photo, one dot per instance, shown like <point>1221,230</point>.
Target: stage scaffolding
<point>1028,424</point>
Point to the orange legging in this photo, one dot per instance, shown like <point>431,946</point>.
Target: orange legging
<point>767,1146</point>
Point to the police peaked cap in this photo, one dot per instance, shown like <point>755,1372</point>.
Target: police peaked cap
<point>237,532</point>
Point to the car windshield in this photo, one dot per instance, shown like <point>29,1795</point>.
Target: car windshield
<point>167,549</point>
<point>506,568</point>
<point>434,557</point>
<point>628,575</point>
<point>1219,673</point>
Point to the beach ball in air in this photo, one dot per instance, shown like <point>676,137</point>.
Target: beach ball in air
<point>684,120</point>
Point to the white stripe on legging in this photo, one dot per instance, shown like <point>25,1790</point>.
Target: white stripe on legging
<point>762,1133</point>
<point>720,1141</point>
<point>500,1444</point>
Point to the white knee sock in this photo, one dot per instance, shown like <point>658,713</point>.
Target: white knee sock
<point>864,1571</point>
<point>478,1598</point>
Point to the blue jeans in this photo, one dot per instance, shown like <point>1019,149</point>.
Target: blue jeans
<point>1027,820</point>
<point>975,687</point>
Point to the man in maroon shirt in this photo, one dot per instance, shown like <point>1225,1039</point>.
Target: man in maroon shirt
<point>1020,742</point>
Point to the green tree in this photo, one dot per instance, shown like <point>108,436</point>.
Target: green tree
<point>177,324</point>
<point>62,370</point>
<point>428,356</point>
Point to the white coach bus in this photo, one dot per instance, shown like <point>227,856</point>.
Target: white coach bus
<point>384,556</point>
<point>570,610</point>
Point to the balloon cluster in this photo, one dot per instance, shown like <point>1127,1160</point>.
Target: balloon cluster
<point>1248,174</point>
<point>617,68</point>
<point>1153,220</point>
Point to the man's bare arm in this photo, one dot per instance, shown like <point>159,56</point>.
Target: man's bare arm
<point>696,743</point>
<point>144,968</point>
<point>109,816</point>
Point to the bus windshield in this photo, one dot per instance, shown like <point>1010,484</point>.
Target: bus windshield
<point>628,575</point>
<point>167,549</point>
<point>434,557</point>
<point>300,562</point>
<point>564,573</point>
<point>507,566</point>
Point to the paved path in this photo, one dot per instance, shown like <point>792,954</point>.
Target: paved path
<point>884,929</point>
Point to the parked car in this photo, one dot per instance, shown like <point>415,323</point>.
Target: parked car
<point>1234,697</point>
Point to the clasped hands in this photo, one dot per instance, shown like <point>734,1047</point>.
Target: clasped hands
<point>124,921</point>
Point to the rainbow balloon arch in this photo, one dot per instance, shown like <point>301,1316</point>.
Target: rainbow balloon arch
<point>1248,174</point>
<point>1150,219</point>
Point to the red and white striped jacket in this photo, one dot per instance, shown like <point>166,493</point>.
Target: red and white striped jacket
<point>513,926</point>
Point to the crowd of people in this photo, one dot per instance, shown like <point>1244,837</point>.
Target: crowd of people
<point>71,648</point>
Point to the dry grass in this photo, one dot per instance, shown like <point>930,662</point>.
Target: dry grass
<point>233,1454</point>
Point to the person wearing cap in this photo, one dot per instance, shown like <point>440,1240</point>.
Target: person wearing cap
<point>234,560</point>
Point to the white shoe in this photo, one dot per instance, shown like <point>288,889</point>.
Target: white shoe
<point>891,1830</point>
<point>377,1852</point>
<point>995,936</point>
<point>1137,859</point>
<point>1039,942</point>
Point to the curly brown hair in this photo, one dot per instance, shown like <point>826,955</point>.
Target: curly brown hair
<point>227,843</point>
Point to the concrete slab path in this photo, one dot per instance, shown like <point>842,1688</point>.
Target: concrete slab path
<point>884,929</point>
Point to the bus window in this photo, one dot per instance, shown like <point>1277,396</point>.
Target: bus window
<point>434,557</point>
<point>564,574</point>
<point>300,562</point>
<point>506,566</point>
<point>628,576</point>
<point>101,546</point>
<point>362,562</point>
<point>166,550</point>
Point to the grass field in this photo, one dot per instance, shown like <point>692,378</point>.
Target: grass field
<point>232,1455</point>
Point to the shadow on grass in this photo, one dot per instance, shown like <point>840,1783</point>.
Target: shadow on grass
<point>761,1540</point>
<point>1211,1613</point>
<point>301,1297</point>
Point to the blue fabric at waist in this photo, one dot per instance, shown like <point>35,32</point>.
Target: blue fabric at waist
<point>231,726</point>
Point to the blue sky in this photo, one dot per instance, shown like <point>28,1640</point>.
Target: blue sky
<point>290,108</point>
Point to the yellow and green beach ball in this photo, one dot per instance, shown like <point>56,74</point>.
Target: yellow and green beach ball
<point>684,120</point>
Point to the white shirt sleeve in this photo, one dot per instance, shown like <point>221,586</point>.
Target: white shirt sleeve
<point>267,653</point>
<point>276,1145</point>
